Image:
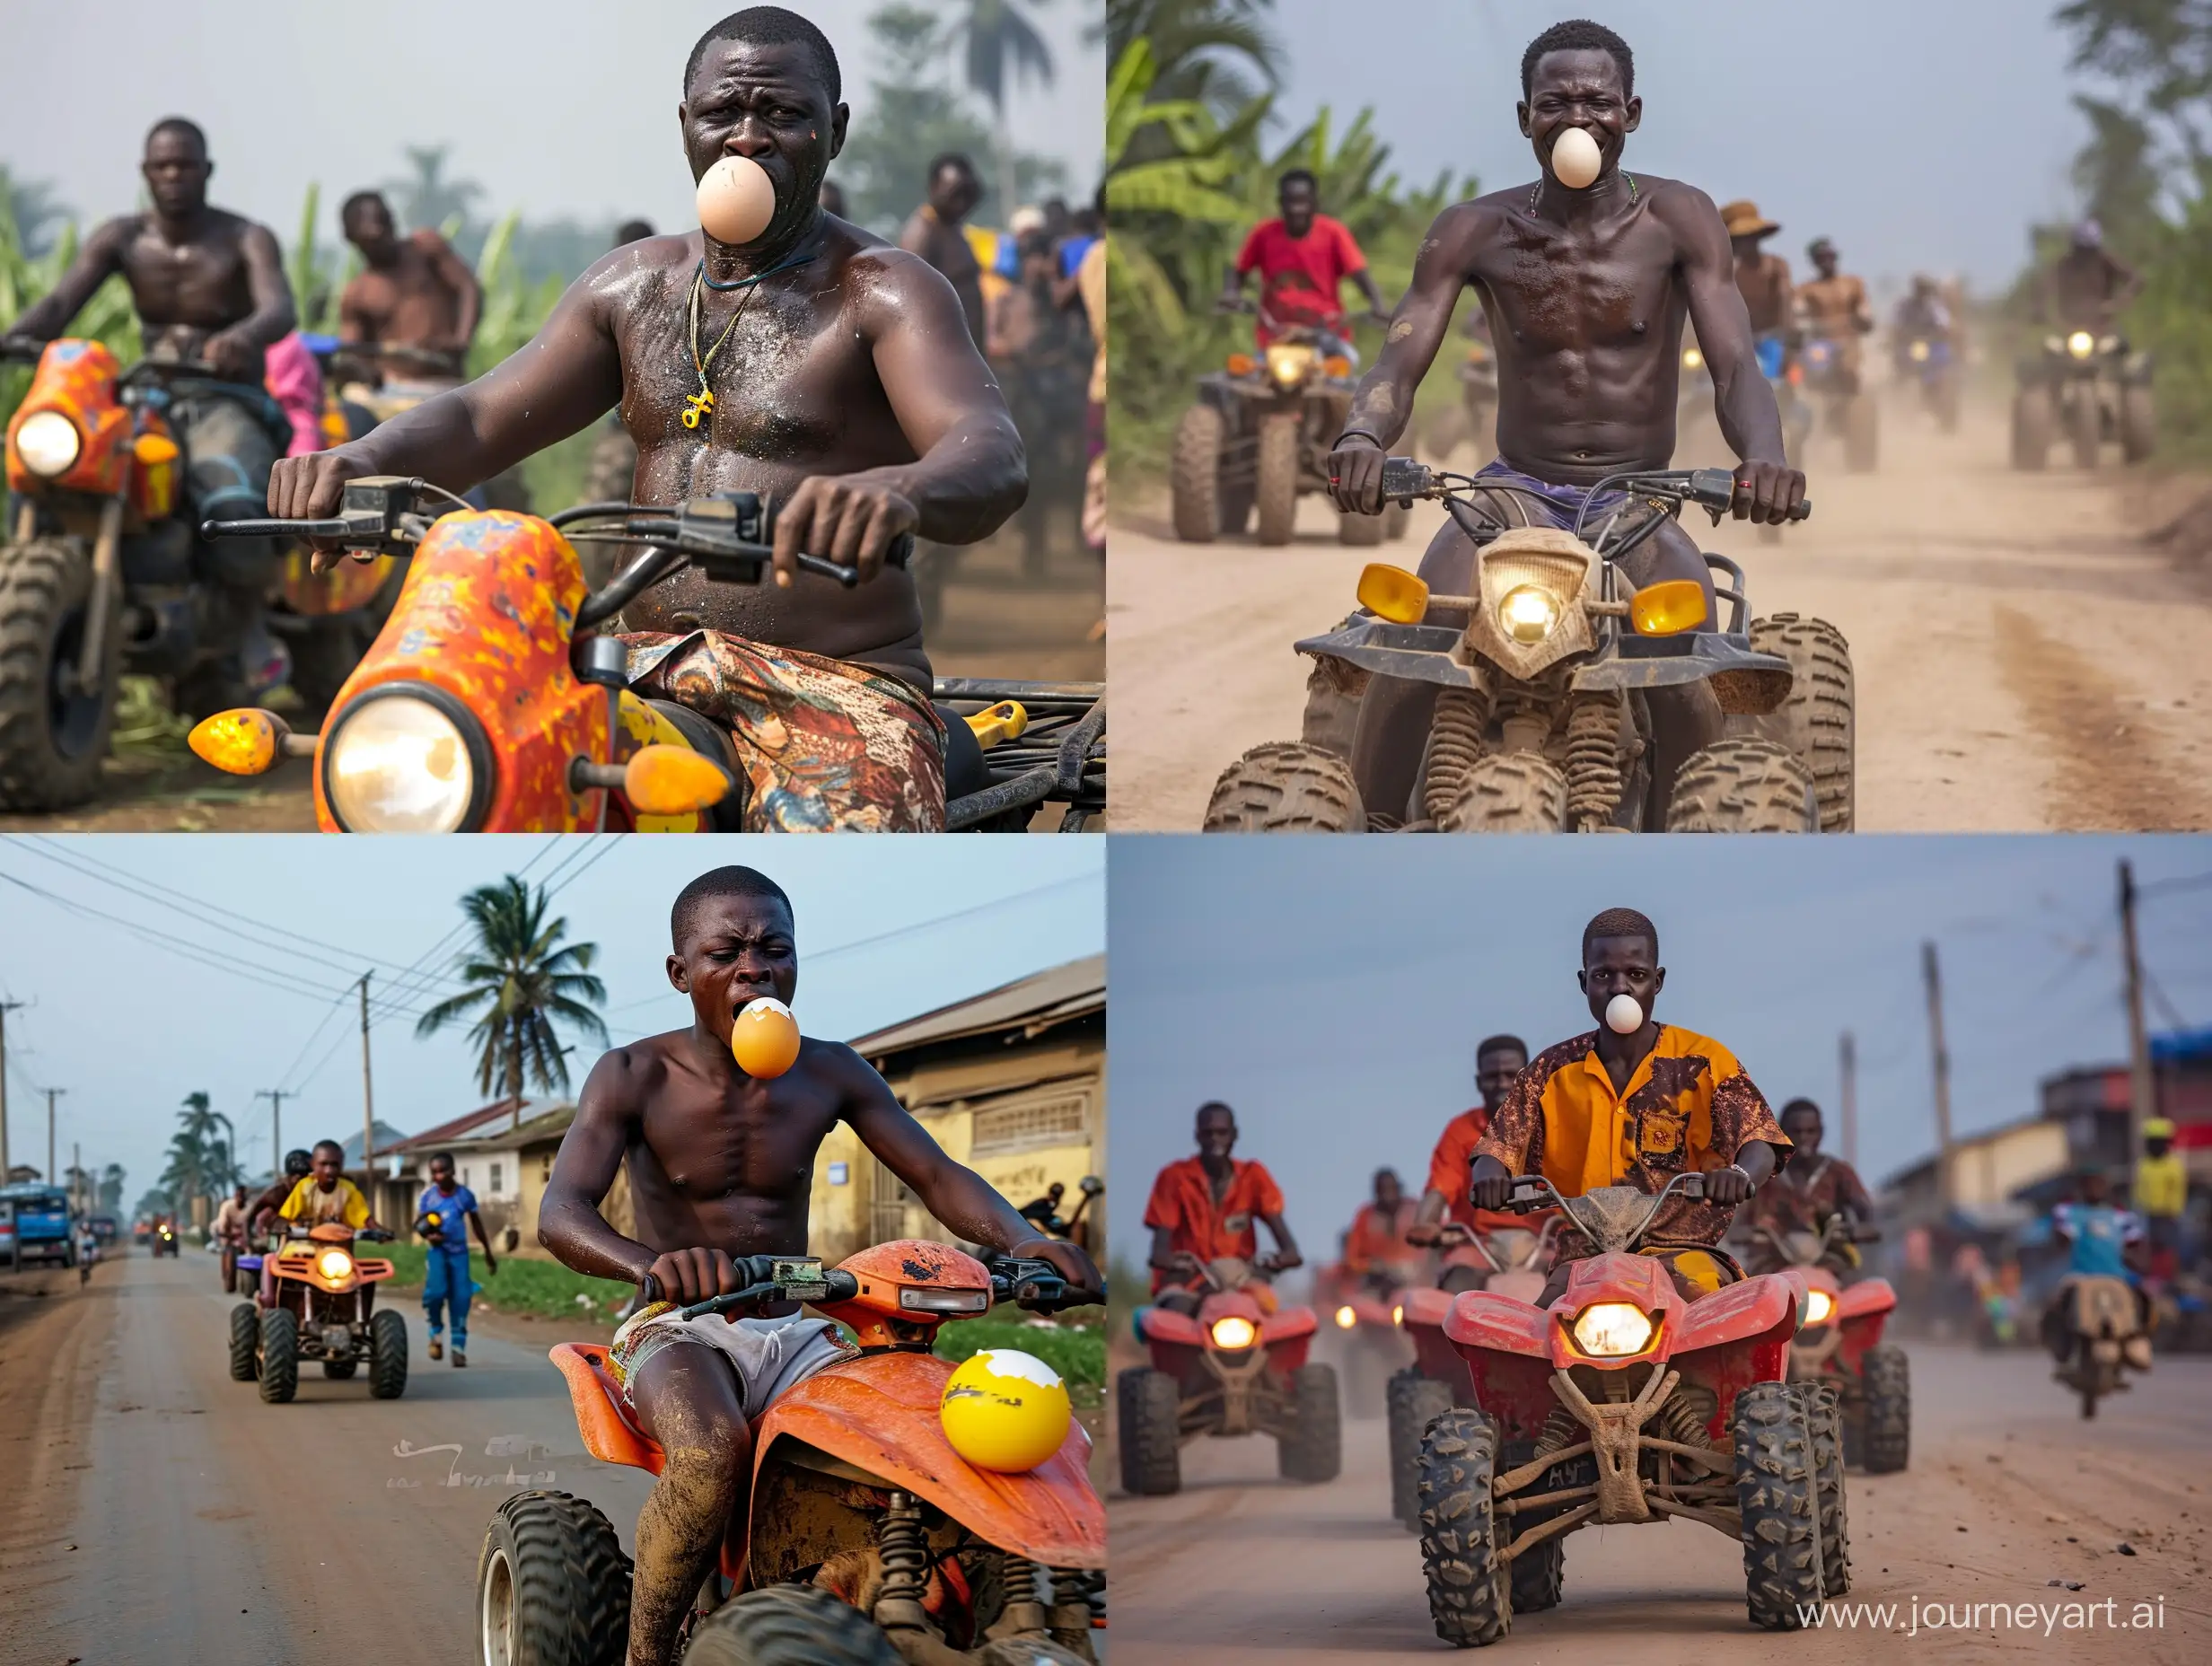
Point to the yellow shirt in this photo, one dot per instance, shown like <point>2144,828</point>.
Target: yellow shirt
<point>1091,282</point>
<point>1688,1107</point>
<point>2161,1185</point>
<point>343,1203</point>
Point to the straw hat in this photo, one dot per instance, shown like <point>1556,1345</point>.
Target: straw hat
<point>1743,219</point>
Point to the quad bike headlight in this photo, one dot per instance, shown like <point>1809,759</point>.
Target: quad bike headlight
<point>1819,1305</point>
<point>1921,351</point>
<point>1398,1316</point>
<point>1692,359</point>
<point>1288,363</point>
<point>1234,1333</point>
<point>334,1263</point>
<point>2081,344</point>
<point>407,758</point>
<point>1528,613</point>
<point>48,443</point>
<point>1612,1329</point>
<point>1345,1318</point>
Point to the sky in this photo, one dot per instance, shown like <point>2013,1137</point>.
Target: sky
<point>559,108</point>
<point>1916,135</point>
<point>129,1023</point>
<point>1333,991</point>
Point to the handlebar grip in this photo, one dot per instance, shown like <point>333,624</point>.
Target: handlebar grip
<point>1526,1198</point>
<point>274,529</point>
<point>1402,477</point>
<point>649,1289</point>
<point>898,554</point>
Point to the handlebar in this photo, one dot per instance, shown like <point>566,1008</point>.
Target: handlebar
<point>1714,489</point>
<point>1033,1283</point>
<point>20,350</point>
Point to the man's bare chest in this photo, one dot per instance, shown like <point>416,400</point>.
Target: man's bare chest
<point>771,376</point>
<point>1554,291</point>
<point>759,1142</point>
<point>183,278</point>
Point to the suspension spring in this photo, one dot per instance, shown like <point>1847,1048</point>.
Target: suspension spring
<point>1560,1429</point>
<point>905,1551</point>
<point>1455,741</point>
<point>1592,758</point>
<point>1679,1422</point>
<point>1018,1580</point>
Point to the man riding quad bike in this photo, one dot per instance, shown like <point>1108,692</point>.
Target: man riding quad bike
<point>1261,429</point>
<point>2097,1323</point>
<point>2087,384</point>
<point>1925,350</point>
<point>1833,316</point>
<point>1769,299</point>
<point>1359,1294</point>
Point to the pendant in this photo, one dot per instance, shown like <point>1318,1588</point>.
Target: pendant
<point>696,406</point>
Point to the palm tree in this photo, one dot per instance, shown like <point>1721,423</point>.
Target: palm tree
<point>199,1155</point>
<point>1003,47</point>
<point>111,1188</point>
<point>1220,53</point>
<point>519,980</point>
<point>430,200</point>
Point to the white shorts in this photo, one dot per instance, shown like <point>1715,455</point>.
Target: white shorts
<point>771,1356</point>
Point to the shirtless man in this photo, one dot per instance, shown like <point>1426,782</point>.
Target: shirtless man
<point>847,390</point>
<point>932,232</point>
<point>206,285</point>
<point>1762,279</point>
<point>415,292</point>
<point>1587,291</point>
<point>721,1165</point>
<point>1834,308</point>
<point>1203,1209</point>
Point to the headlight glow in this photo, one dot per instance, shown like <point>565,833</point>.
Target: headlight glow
<point>1692,359</point>
<point>1345,1318</point>
<point>1528,613</point>
<point>1919,352</point>
<point>1609,1329</point>
<point>1819,1305</point>
<point>334,1263</point>
<point>1288,363</point>
<point>399,765</point>
<point>1233,1333</point>
<point>2081,344</point>
<point>1398,1316</point>
<point>48,443</point>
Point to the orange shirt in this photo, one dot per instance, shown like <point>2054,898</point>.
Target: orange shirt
<point>1452,1172</point>
<point>1377,1240</point>
<point>1182,1201</point>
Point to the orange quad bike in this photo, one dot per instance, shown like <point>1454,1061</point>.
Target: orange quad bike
<point>867,1539</point>
<point>1625,1401</point>
<point>317,1301</point>
<point>1841,1343</point>
<point>496,699</point>
<point>1510,1262</point>
<point>1238,1367</point>
<point>101,574</point>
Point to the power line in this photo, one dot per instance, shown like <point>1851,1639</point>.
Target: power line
<point>400,993</point>
<point>2194,882</point>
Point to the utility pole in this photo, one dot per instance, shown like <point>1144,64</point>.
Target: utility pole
<point>2143,1093</point>
<point>1850,1100</point>
<point>6,1007</point>
<point>77,1176</point>
<point>1934,978</point>
<point>276,1097</point>
<point>368,1103</point>
<point>51,1095</point>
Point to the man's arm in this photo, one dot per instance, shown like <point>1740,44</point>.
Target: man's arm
<point>914,235</point>
<point>354,323</point>
<point>100,258</point>
<point>235,350</point>
<point>1286,1254</point>
<point>569,1223</point>
<point>1165,1256</point>
<point>491,1261</point>
<point>1750,419</point>
<point>454,273</point>
<point>1383,403</point>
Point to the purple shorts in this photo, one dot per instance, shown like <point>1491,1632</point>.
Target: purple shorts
<point>1542,504</point>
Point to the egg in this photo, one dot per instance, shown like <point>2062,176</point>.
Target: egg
<point>1623,1016</point>
<point>1004,1410</point>
<point>1574,159</point>
<point>764,1038</point>
<point>736,200</point>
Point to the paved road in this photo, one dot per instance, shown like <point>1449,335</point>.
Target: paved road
<point>2007,1491</point>
<point>2023,663</point>
<point>157,1510</point>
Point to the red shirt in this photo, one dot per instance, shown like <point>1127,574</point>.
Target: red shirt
<point>1452,1172</point>
<point>1376,1240</point>
<point>1182,1201</point>
<point>1299,275</point>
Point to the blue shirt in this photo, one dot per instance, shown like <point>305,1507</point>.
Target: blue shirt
<point>453,1209</point>
<point>2097,1234</point>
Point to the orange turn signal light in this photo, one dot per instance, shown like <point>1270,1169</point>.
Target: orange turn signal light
<point>1243,363</point>
<point>1393,594</point>
<point>151,449</point>
<point>1668,607</point>
<point>1337,364</point>
<point>1002,721</point>
<point>246,741</point>
<point>673,781</point>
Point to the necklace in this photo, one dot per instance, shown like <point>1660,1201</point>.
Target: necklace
<point>1536,191</point>
<point>700,406</point>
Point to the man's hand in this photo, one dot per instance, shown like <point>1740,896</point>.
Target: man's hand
<point>312,489</point>
<point>688,1276</point>
<point>491,1261</point>
<point>848,519</point>
<point>1490,1184</point>
<point>16,344</point>
<point>1073,1265</point>
<point>230,354</point>
<point>1182,1263</point>
<point>1424,1233</point>
<point>1727,1185</point>
<point>1766,492</point>
<point>1356,475</point>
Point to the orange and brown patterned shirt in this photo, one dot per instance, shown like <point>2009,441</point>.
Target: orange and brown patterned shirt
<point>1688,1106</point>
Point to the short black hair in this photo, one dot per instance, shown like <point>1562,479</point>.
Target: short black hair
<point>297,1161</point>
<point>1499,1044</point>
<point>1619,923</point>
<point>359,200</point>
<point>437,1157</point>
<point>1803,1104</point>
<point>1293,176</point>
<point>191,130</point>
<point>1386,1174</point>
<point>951,159</point>
<point>632,232</point>
<point>771,26</point>
<point>1579,34</point>
<point>1215,1104</point>
<point>717,884</point>
<point>323,1146</point>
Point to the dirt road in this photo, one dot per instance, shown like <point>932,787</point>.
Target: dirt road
<point>2023,663</point>
<point>2008,1493</point>
<point>157,1510</point>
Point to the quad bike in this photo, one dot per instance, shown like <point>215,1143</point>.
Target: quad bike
<point>101,575</point>
<point>1840,1344</point>
<point>1511,1262</point>
<point>492,702</point>
<point>2100,1316</point>
<point>1260,435</point>
<point>1541,722</point>
<point>2091,389</point>
<point>1365,1313</point>
<point>866,1539</point>
<point>1625,1401</point>
<point>1929,362</point>
<point>1234,1369</point>
<point>1851,409</point>
<point>164,1239</point>
<point>314,1303</point>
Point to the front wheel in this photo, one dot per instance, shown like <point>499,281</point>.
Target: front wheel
<point>2085,427</point>
<point>1149,1409</point>
<point>794,1625</point>
<point>1276,485</point>
<point>1824,1424</point>
<point>1819,719</point>
<point>1469,1592</point>
<point>1887,1375</point>
<point>387,1356</point>
<point>1312,1448</point>
<point>1778,1493</point>
<point>2138,424</point>
<point>552,1585</point>
<point>2034,418</point>
<point>1508,793</point>
<point>280,1356</point>
<point>1286,786</point>
<point>53,733</point>
<point>1742,784</point>
<point>1194,475</point>
<point>1411,1402</point>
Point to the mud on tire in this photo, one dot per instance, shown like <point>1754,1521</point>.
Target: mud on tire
<point>1410,1403</point>
<point>1469,1595</point>
<point>51,747</point>
<point>1743,783</point>
<point>1887,1374</point>
<point>1334,689</point>
<point>1509,793</point>
<point>1147,1407</point>
<point>1778,1494</point>
<point>1819,720</point>
<point>279,1355</point>
<point>387,1355</point>
<point>1194,474</point>
<point>1275,478</point>
<point>552,1585</point>
<point>1311,1448</point>
<point>789,1626</point>
<point>1824,1422</point>
<point>245,1334</point>
<point>1286,786</point>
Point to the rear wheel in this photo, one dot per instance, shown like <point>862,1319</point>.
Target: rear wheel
<point>1148,1408</point>
<point>1312,1448</point>
<point>245,1332</point>
<point>2085,427</point>
<point>1742,784</point>
<point>2033,422</point>
<point>1539,1576</point>
<point>553,1587</point>
<point>1824,1424</point>
<point>1508,793</point>
<point>2138,424</point>
<point>790,1626</point>
<point>1286,786</point>
<point>280,1356</point>
<point>387,1356</point>
<point>1887,1375</point>
<point>1818,721</point>
<point>1276,483</point>
<point>1411,1402</point>
<point>1779,1496</point>
<point>1194,474</point>
<point>53,735</point>
<point>1469,1594</point>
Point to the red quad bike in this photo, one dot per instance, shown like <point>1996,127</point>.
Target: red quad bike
<point>1364,1312</point>
<point>1510,1263</point>
<point>1841,1343</point>
<point>1232,1369</point>
<point>871,1542</point>
<point>1624,1401</point>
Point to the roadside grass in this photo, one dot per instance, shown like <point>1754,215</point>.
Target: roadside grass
<point>1074,1344</point>
<point>521,1286</point>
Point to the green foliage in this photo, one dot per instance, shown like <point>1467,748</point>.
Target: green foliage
<point>1072,1343</point>
<point>522,1284</point>
<point>519,978</point>
<point>199,1162</point>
